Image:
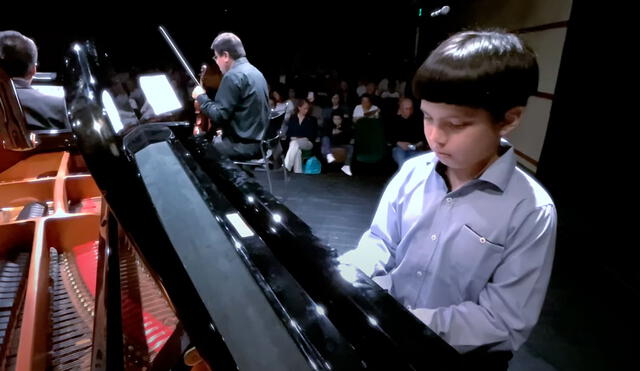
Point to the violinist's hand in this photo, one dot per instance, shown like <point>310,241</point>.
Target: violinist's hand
<point>197,91</point>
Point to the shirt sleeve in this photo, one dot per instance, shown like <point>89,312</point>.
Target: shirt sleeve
<point>510,303</point>
<point>375,108</point>
<point>358,113</point>
<point>227,98</point>
<point>375,253</point>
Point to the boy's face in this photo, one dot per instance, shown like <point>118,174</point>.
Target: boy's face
<point>463,138</point>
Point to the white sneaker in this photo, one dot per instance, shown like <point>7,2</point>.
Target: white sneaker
<point>330,158</point>
<point>346,169</point>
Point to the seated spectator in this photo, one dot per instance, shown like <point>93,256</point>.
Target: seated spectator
<point>347,97</point>
<point>391,91</point>
<point>407,134</point>
<point>136,96</point>
<point>365,109</point>
<point>372,91</point>
<point>389,103</point>
<point>291,103</point>
<point>19,58</point>
<point>337,107</point>
<point>315,109</point>
<point>122,101</point>
<point>341,136</point>
<point>278,99</point>
<point>361,88</point>
<point>302,130</point>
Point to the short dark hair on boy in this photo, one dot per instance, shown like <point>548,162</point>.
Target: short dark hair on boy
<point>489,69</point>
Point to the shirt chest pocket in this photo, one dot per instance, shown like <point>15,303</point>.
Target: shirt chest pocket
<point>474,259</point>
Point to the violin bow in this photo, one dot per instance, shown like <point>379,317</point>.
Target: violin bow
<point>178,54</point>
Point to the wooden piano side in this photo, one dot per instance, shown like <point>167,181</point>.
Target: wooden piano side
<point>42,165</point>
<point>10,158</point>
<point>18,186</point>
<point>32,353</point>
<point>60,230</point>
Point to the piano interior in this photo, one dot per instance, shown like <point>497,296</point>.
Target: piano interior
<point>141,248</point>
<point>48,272</point>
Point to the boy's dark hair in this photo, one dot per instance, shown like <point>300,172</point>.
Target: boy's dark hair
<point>18,53</point>
<point>490,69</point>
<point>230,43</point>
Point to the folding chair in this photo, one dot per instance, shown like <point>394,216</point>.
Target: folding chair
<point>270,147</point>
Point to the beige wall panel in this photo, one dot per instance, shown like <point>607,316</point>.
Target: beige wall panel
<point>517,14</point>
<point>548,45</point>
<point>529,136</point>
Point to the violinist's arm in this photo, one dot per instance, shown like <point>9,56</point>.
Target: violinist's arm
<point>221,109</point>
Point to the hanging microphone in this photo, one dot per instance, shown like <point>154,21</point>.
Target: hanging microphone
<point>442,11</point>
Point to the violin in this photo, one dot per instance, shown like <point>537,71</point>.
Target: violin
<point>210,77</point>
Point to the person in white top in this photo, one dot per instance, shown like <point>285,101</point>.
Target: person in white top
<point>365,109</point>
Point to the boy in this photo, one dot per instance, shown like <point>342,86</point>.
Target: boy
<point>462,237</point>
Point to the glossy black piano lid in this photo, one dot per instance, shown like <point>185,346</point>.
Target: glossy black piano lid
<point>336,323</point>
<point>383,332</point>
<point>118,177</point>
<point>118,180</point>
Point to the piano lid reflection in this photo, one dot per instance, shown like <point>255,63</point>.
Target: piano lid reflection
<point>285,301</point>
<point>191,251</point>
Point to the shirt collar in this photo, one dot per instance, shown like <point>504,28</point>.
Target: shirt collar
<point>498,173</point>
<point>239,61</point>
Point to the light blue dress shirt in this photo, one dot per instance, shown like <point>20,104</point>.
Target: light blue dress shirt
<point>472,264</point>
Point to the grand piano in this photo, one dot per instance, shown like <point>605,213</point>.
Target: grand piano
<point>131,246</point>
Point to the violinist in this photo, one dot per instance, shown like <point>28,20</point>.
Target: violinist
<point>241,104</point>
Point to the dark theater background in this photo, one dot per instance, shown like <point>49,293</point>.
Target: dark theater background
<point>356,39</point>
